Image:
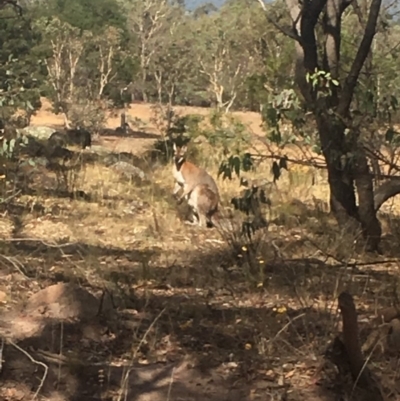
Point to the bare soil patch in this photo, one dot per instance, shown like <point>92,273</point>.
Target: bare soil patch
<point>143,112</point>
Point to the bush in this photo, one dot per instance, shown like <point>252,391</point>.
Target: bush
<point>90,115</point>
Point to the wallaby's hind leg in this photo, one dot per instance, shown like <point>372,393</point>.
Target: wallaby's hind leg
<point>193,217</point>
<point>210,224</point>
<point>202,220</point>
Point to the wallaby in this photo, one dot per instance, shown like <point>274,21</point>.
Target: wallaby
<point>204,203</point>
<point>188,176</point>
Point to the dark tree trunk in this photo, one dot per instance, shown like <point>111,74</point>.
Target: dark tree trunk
<point>366,210</point>
<point>346,161</point>
<point>340,176</point>
<point>348,169</point>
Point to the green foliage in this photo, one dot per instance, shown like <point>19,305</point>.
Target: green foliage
<point>87,114</point>
<point>277,167</point>
<point>99,19</point>
<point>20,71</point>
<point>282,110</point>
<point>250,202</point>
<point>247,201</point>
<point>86,15</point>
<point>226,132</point>
<point>230,54</point>
<point>256,91</point>
<point>10,148</point>
<point>64,46</point>
<point>235,164</point>
<point>321,80</point>
<point>182,126</point>
<point>392,137</point>
<point>126,69</point>
<point>176,129</point>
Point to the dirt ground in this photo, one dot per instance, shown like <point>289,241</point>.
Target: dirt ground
<point>113,297</point>
<point>144,113</point>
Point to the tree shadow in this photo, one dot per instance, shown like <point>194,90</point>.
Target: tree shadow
<point>223,311</point>
<point>101,381</point>
<point>129,133</point>
<point>217,336</point>
<point>60,194</point>
<point>71,259</point>
<point>241,328</point>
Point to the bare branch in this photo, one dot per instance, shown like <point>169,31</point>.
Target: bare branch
<point>362,54</point>
<point>386,191</point>
<point>36,362</point>
<point>290,32</point>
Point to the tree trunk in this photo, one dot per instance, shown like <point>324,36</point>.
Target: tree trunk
<point>348,169</point>
<point>340,177</point>
<point>367,213</point>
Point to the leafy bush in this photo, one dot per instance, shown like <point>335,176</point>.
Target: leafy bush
<point>87,114</point>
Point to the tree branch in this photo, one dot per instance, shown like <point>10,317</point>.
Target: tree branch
<point>386,191</point>
<point>290,32</point>
<point>310,13</point>
<point>362,54</point>
<point>332,26</point>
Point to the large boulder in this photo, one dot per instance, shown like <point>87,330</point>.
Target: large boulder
<point>39,132</point>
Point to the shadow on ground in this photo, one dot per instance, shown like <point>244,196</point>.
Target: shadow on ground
<point>120,133</point>
<point>204,332</point>
<point>216,325</point>
<point>207,359</point>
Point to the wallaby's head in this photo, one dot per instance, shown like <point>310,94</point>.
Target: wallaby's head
<point>179,155</point>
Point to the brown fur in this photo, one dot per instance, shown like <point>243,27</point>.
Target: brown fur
<point>204,203</point>
<point>188,176</point>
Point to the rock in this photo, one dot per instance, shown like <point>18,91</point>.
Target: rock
<point>39,132</point>
<point>128,170</point>
<point>100,150</point>
<point>65,302</point>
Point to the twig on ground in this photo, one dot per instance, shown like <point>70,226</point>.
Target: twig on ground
<point>10,197</point>
<point>60,352</point>
<point>45,367</point>
<point>126,376</point>
<point>50,245</point>
<point>285,327</point>
<point>148,331</point>
<point>16,263</point>
<point>170,384</point>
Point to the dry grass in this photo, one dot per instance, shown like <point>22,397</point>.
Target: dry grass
<point>263,312</point>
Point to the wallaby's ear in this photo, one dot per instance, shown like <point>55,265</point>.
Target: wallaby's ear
<point>174,147</point>
<point>183,149</point>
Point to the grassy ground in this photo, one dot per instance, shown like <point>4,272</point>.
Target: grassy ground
<point>253,318</point>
